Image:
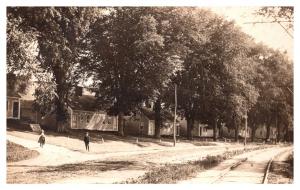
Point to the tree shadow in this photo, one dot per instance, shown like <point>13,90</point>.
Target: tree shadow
<point>92,166</point>
<point>100,137</point>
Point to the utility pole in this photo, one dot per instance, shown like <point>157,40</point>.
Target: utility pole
<point>245,140</point>
<point>174,128</point>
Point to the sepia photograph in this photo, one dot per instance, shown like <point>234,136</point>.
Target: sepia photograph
<point>149,94</point>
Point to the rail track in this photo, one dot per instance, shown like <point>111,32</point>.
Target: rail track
<point>252,169</point>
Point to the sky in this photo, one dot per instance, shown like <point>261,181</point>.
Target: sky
<point>271,34</point>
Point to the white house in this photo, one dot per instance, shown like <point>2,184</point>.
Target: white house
<point>13,105</point>
<point>143,123</point>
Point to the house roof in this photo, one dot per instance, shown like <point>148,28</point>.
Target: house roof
<point>27,103</point>
<point>84,102</point>
<point>150,114</point>
<point>11,93</point>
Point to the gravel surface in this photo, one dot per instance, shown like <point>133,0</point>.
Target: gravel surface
<point>250,171</point>
<point>108,163</point>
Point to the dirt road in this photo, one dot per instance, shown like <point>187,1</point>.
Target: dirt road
<point>57,164</point>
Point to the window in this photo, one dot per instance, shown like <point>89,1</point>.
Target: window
<point>81,118</point>
<point>74,117</point>
<point>88,117</point>
<point>15,109</point>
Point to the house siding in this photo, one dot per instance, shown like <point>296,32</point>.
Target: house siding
<point>10,108</point>
<point>28,114</point>
<point>93,121</point>
<point>138,125</point>
<point>141,125</point>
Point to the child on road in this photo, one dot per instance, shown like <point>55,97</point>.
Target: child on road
<point>42,139</point>
<point>87,141</point>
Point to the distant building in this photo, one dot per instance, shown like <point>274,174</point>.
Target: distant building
<point>27,112</point>
<point>143,123</point>
<point>84,113</point>
<point>261,132</point>
<point>199,129</point>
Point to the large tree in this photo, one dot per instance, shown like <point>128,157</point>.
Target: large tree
<point>126,59</point>
<point>57,31</point>
<point>275,84</point>
<point>21,54</point>
<point>214,85</point>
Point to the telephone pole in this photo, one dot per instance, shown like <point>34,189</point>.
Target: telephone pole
<point>245,140</point>
<point>174,128</point>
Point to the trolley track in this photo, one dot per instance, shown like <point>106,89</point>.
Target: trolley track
<point>252,169</point>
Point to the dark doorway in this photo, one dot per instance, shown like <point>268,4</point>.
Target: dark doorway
<point>16,109</point>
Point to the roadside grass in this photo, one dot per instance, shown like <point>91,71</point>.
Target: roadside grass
<point>51,174</point>
<point>172,173</point>
<point>282,172</point>
<point>17,152</point>
<point>204,144</point>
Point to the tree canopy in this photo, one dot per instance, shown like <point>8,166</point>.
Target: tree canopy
<point>136,54</point>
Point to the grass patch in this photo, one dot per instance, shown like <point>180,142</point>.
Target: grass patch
<point>171,173</point>
<point>282,172</point>
<point>204,144</point>
<point>17,152</point>
<point>52,174</point>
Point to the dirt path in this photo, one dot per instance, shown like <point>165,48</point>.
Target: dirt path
<point>52,155</point>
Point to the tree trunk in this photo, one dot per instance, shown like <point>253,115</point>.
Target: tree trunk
<point>286,136</point>
<point>236,129</point>
<point>215,128</point>
<point>61,126</point>
<point>278,131</point>
<point>61,115</point>
<point>268,132</point>
<point>220,130</point>
<point>120,124</point>
<point>61,91</point>
<point>253,132</point>
<point>236,133</point>
<point>190,124</point>
<point>157,109</point>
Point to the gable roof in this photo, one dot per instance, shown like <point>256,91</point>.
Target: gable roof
<point>11,93</point>
<point>150,114</point>
<point>84,102</point>
<point>27,104</point>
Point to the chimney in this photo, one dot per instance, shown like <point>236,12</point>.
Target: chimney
<point>78,91</point>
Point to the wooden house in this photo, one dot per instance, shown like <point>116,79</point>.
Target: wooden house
<point>84,113</point>
<point>143,123</point>
<point>199,129</point>
<point>27,112</point>
<point>13,105</point>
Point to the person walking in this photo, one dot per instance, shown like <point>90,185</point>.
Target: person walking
<point>42,139</point>
<point>87,141</point>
